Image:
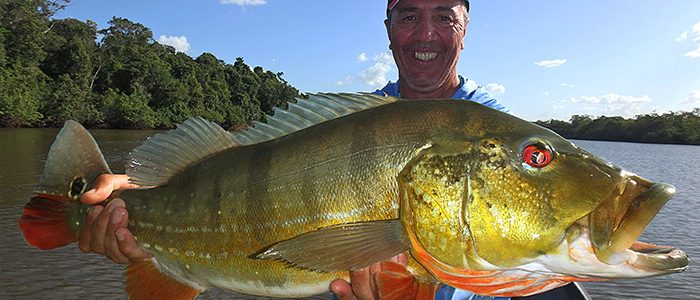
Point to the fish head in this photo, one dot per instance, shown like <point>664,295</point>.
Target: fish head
<point>527,202</point>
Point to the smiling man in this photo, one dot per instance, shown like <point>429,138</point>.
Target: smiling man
<point>426,39</point>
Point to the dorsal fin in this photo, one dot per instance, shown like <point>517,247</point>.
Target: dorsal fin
<point>308,112</point>
<point>167,154</point>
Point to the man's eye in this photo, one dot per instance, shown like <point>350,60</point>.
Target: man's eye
<point>445,19</point>
<point>409,19</point>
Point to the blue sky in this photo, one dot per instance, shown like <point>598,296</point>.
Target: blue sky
<point>543,59</point>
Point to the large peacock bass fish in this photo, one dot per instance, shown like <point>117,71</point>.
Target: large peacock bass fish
<point>481,200</point>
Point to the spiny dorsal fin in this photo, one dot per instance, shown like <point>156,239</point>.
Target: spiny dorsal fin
<point>327,248</point>
<point>164,155</point>
<point>308,112</point>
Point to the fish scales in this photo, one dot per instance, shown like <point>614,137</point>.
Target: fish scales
<point>341,172</point>
<point>481,200</point>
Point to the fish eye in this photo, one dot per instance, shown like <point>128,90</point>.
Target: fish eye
<point>537,155</point>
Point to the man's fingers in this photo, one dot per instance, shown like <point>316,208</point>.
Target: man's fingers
<point>84,238</point>
<point>128,246</point>
<point>373,270</point>
<point>98,232</point>
<point>117,220</point>
<point>342,289</point>
<point>361,283</point>
<point>104,185</point>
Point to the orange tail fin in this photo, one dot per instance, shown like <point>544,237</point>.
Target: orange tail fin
<point>44,223</point>
<point>53,218</point>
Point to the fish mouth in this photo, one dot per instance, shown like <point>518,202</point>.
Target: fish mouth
<point>618,222</point>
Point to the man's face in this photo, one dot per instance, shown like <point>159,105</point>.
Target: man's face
<point>426,38</point>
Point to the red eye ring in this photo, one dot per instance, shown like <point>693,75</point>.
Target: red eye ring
<point>537,156</point>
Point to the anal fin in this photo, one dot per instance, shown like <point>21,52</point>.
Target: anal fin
<point>395,282</point>
<point>145,282</point>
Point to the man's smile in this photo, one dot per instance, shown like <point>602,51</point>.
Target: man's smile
<point>424,56</point>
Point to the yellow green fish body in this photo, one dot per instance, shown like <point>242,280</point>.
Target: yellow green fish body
<point>338,182</point>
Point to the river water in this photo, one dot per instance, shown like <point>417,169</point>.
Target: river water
<point>67,273</point>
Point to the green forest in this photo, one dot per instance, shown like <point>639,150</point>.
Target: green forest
<point>668,128</point>
<point>52,70</point>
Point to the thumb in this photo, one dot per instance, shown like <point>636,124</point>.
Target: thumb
<point>104,185</point>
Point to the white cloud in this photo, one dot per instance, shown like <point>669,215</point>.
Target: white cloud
<point>612,98</point>
<point>376,74</point>
<point>693,54</point>
<point>495,88</point>
<point>362,57</point>
<point>568,85</point>
<point>612,104</point>
<point>682,37</point>
<point>695,29</point>
<point>384,57</point>
<point>551,63</point>
<point>178,42</point>
<point>346,81</point>
<point>243,2</point>
<point>692,99</point>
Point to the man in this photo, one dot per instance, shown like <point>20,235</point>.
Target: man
<point>426,38</point>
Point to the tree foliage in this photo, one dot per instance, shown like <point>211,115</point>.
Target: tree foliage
<point>668,128</point>
<point>52,70</point>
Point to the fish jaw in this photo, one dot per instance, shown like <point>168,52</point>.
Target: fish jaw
<point>577,259</point>
<point>616,224</point>
<point>604,244</point>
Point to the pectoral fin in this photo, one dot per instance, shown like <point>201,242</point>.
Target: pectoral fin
<point>342,247</point>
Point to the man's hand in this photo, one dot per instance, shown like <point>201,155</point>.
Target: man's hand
<point>364,285</point>
<point>105,231</point>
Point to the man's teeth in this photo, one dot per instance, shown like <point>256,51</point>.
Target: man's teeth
<point>425,56</point>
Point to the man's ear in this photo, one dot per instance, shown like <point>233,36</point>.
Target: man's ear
<point>466,25</point>
<point>387,24</point>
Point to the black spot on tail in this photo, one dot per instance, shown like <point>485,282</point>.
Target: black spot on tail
<point>77,187</point>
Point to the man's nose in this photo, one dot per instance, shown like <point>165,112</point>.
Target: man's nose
<point>426,30</point>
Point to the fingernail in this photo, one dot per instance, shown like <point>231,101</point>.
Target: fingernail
<point>110,206</point>
<point>90,191</point>
<point>120,236</point>
<point>113,204</point>
<point>94,212</point>
<point>116,217</point>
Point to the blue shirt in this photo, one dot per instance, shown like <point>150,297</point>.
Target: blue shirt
<point>468,90</point>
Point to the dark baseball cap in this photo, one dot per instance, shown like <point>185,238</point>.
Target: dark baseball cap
<point>393,3</point>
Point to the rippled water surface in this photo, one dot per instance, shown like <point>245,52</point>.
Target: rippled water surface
<point>66,273</point>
